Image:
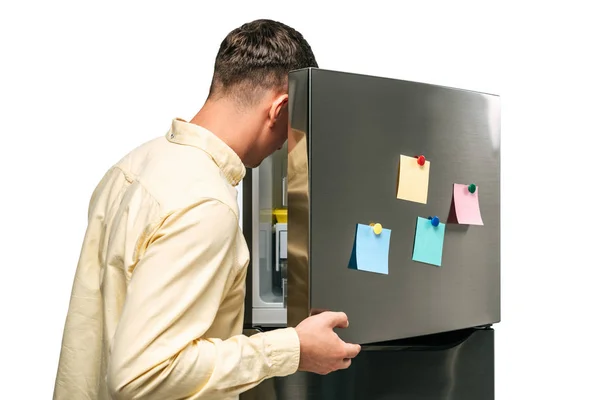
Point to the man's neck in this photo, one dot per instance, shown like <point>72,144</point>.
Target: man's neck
<point>230,124</point>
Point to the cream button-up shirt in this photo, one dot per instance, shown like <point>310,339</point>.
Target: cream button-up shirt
<point>157,304</point>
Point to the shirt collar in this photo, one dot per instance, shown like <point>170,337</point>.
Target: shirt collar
<point>227,160</point>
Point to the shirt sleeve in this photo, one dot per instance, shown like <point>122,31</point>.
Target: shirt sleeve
<point>159,350</point>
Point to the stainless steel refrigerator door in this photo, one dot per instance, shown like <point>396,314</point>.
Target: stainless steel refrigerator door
<point>348,132</point>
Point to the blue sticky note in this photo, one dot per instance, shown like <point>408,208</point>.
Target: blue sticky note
<point>429,242</point>
<point>370,251</point>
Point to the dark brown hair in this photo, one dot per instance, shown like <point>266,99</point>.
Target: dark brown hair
<point>256,56</point>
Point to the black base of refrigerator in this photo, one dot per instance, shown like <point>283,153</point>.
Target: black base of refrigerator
<point>452,365</point>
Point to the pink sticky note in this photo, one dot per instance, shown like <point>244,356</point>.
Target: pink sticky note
<point>465,206</point>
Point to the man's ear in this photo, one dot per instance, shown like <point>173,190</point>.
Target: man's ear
<point>278,105</point>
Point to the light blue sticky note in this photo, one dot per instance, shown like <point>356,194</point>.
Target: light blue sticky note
<point>370,251</point>
<point>429,242</point>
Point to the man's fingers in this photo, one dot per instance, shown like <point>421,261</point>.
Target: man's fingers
<point>338,320</point>
<point>345,364</point>
<point>352,350</point>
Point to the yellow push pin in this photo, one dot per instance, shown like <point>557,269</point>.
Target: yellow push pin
<point>377,228</point>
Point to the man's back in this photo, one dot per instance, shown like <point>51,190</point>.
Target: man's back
<point>153,186</point>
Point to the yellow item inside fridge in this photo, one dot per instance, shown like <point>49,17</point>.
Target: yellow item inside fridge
<point>280,215</point>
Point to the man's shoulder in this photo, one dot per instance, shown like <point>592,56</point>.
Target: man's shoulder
<point>176,175</point>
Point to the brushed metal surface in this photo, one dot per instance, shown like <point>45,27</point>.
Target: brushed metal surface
<point>453,366</point>
<point>355,129</point>
<point>298,296</point>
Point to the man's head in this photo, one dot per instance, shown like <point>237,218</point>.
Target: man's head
<point>251,74</point>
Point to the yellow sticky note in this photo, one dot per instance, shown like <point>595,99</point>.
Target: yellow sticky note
<point>413,180</point>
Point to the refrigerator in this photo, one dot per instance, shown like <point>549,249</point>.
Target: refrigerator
<point>384,204</point>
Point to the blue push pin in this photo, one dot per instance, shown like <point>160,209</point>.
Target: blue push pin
<point>435,221</point>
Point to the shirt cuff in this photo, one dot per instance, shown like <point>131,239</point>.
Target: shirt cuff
<point>284,351</point>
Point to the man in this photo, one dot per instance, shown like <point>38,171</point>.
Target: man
<point>156,310</point>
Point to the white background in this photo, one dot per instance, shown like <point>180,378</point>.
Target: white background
<point>81,83</point>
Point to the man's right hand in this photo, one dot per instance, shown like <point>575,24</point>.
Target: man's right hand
<point>321,349</point>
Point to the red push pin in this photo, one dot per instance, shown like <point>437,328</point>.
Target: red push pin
<point>421,160</point>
